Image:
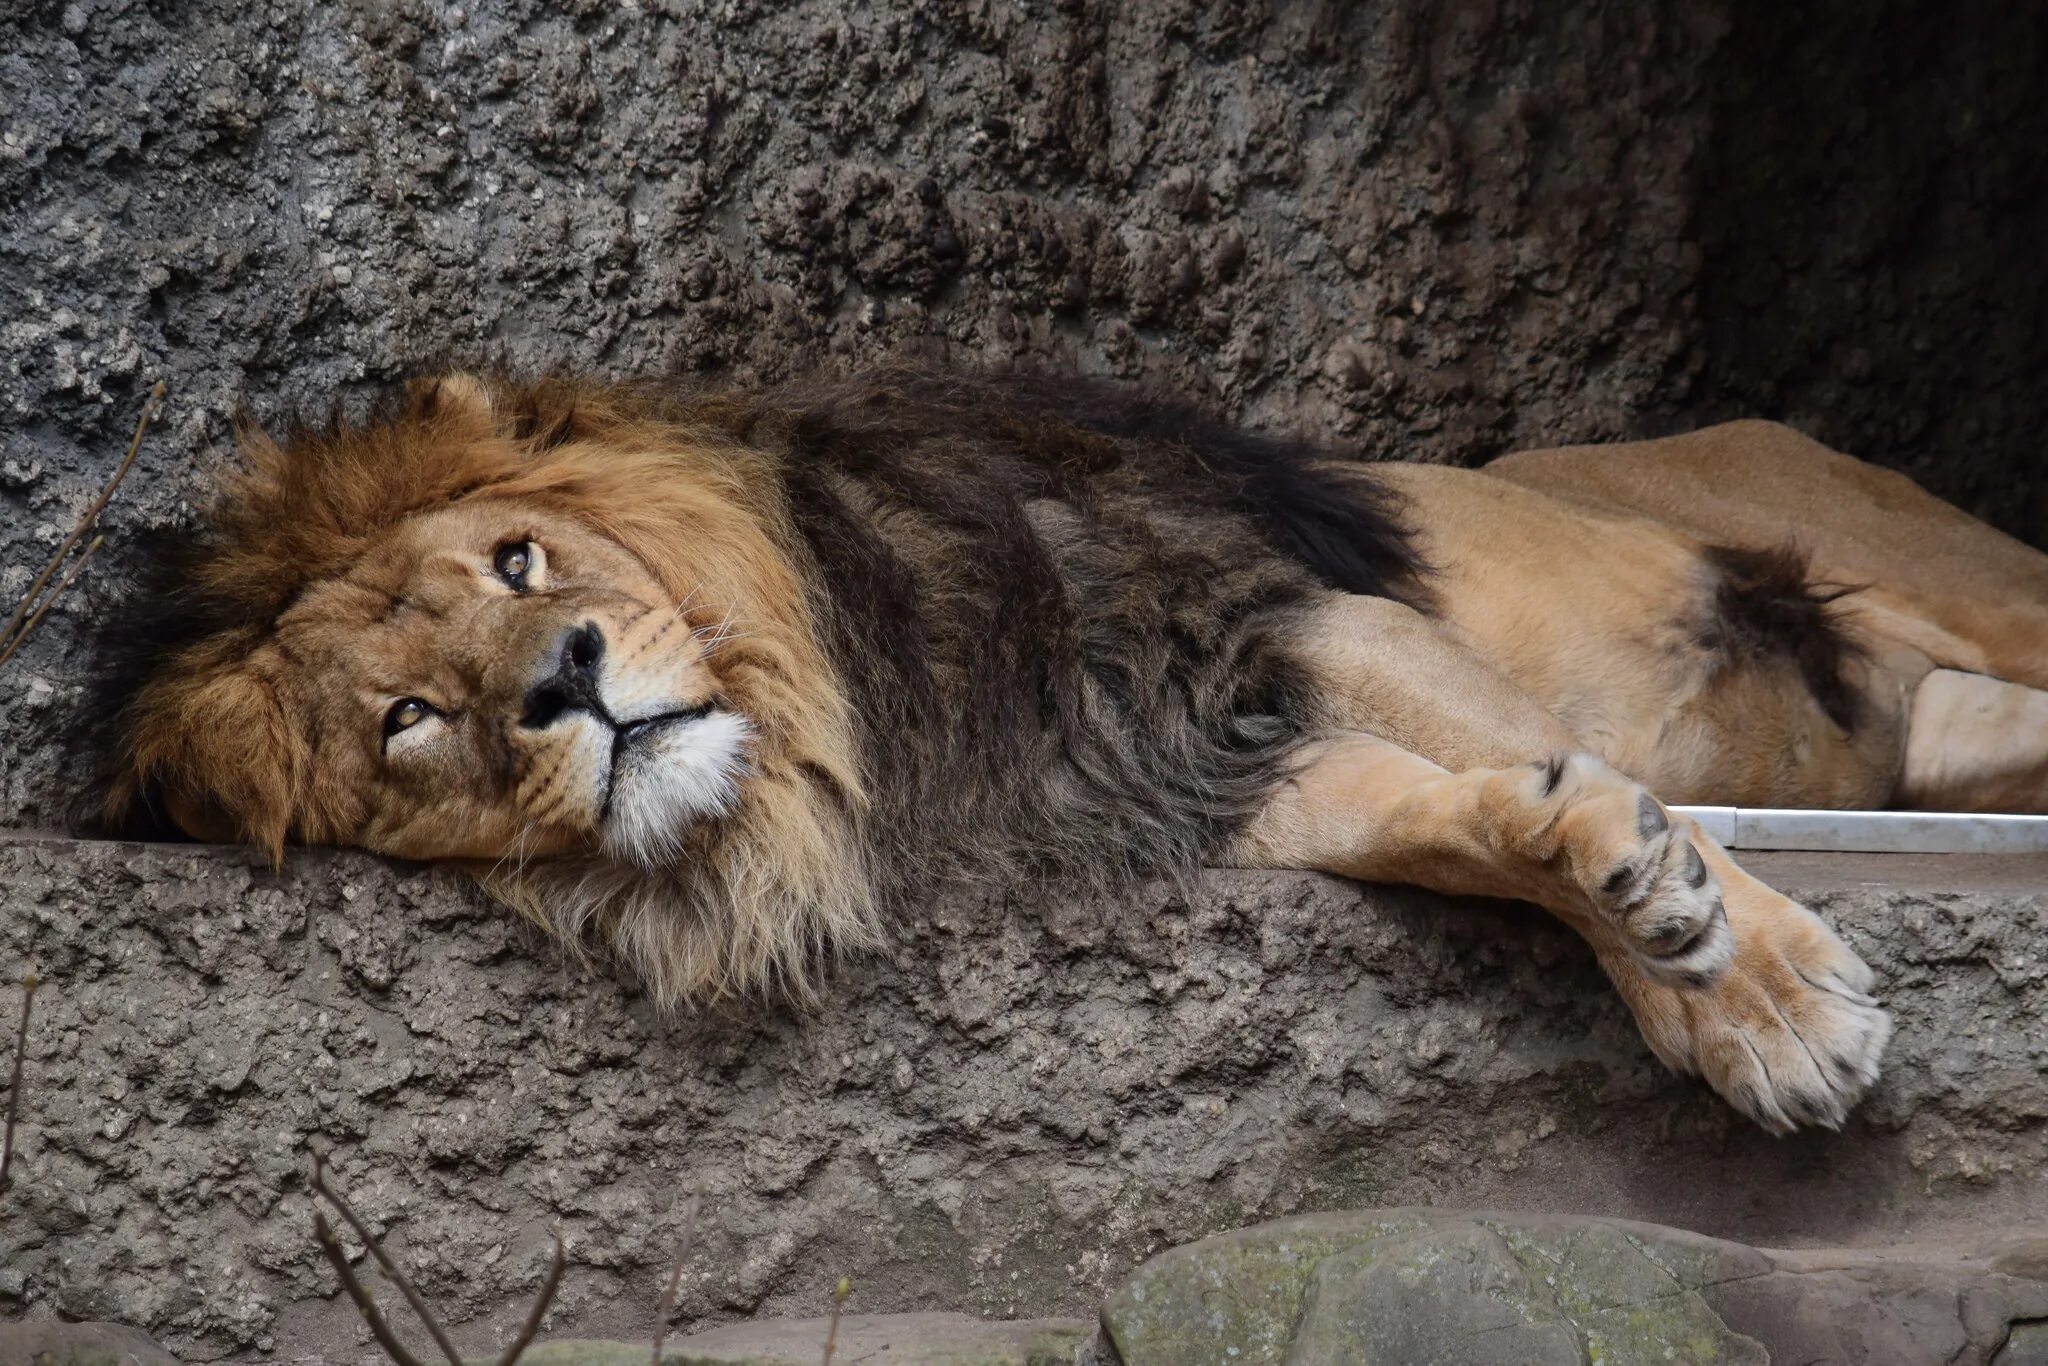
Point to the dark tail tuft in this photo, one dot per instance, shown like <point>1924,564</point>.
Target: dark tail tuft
<point>1766,602</point>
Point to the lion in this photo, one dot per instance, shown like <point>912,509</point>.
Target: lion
<point>718,681</point>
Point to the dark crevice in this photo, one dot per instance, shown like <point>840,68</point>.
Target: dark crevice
<point>1870,214</point>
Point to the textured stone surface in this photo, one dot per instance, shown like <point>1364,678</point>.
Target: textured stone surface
<point>1427,1288</point>
<point>869,1339</point>
<point>1437,231</point>
<point>51,1342</point>
<point>1002,1117</point>
<point>891,1340</point>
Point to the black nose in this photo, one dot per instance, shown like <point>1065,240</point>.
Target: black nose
<point>573,684</point>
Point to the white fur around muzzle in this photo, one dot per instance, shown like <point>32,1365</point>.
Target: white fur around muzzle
<point>688,772</point>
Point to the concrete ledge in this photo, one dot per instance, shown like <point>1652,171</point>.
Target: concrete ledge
<point>1005,1116</point>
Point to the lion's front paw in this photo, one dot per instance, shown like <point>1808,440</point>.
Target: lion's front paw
<point>1642,875</point>
<point>1789,1034</point>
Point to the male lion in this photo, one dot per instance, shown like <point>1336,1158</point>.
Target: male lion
<point>718,679</point>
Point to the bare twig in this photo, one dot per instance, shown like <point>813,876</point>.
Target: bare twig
<point>28,996</point>
<point>839,1294</point>
<point>20,624</point>
<point>540,1307</point>
<point>365,1306</point>
<point>390,1268</point>
<point>47,603</point>
<point>675,1277</point>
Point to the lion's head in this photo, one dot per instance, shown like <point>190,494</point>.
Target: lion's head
<point>546,631</point>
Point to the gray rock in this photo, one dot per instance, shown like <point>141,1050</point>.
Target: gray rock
<point>1022,1101</point>
<point>1427,1299</point>
<point>2028,1346</point>
<point>1411,1287</point>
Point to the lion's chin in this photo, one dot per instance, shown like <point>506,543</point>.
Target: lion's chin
<point>668,779</point>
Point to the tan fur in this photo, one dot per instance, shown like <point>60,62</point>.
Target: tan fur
<point>1940,581</point>
<point>1594,614</point>
<point>1976,744</point>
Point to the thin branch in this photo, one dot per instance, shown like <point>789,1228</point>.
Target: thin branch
<point>540,1307</point>
<point>675,1277</point>
<point>50,601</point>
<point>28,996</point>
<point>839,1294</point>
<point>365,1306</point>
<point>389,1267</point>
<point>10,634</point>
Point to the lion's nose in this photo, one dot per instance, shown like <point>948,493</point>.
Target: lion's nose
<point>572,686</point>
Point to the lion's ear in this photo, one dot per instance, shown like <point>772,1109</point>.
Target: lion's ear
<point>219,753</point>
<point>459,400</point>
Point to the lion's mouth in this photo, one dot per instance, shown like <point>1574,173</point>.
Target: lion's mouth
<point>643,731</point>
<point>669,772</point>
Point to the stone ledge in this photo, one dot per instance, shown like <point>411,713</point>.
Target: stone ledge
<point>1026,1098</point>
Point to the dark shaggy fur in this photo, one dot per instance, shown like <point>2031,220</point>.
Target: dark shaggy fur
<point>1061,610</point>
<point>155,615</point>
<point>1766,604</point>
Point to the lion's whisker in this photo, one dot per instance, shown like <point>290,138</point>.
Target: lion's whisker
<point>525,832</point>
<point>712,637</point>
<point>715,641</point>
<point>499,863</point>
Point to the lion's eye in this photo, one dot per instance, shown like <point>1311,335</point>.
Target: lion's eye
<point>405,713</point>
<point>512,561</point>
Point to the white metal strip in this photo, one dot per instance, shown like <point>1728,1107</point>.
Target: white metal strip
<point>1717,821</point>
<point>1872,832</point>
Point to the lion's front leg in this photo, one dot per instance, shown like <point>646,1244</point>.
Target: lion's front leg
<point>1726,978</point>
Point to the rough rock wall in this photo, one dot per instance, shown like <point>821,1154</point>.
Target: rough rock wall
<point>1003,1116</point>
<point>1439,231</point>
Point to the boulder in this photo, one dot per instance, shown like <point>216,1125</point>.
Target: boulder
<point>868,1339</point>
<point>1416,1287</point>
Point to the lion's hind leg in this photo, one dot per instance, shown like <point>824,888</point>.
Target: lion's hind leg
<point>1975,744</point>
<point>1726,977</point>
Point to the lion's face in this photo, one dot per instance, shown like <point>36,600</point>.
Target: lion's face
<point>544,629</point>
<point>496,682</point>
